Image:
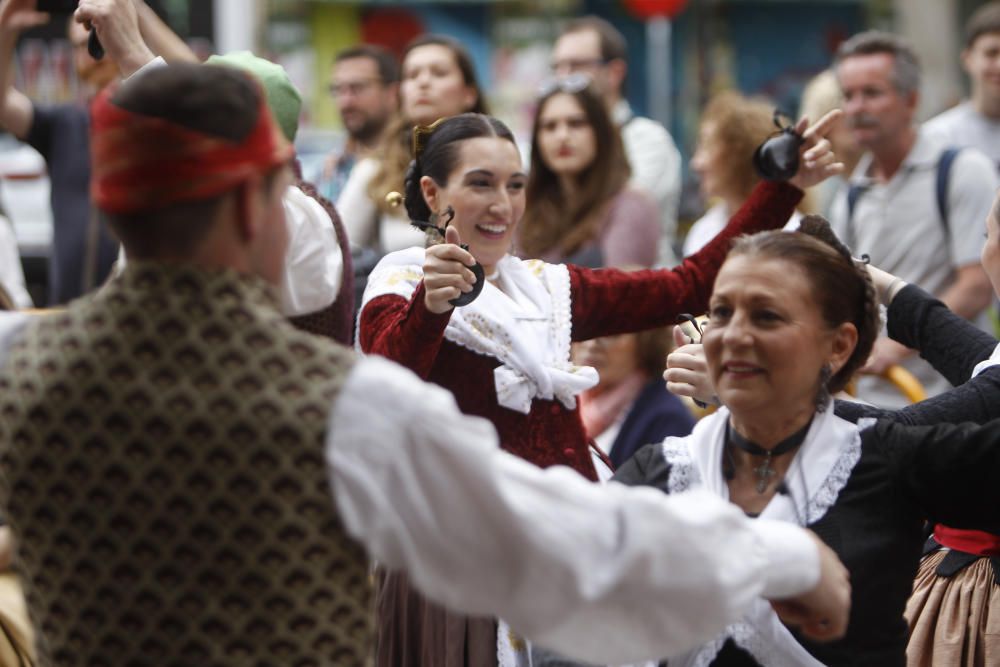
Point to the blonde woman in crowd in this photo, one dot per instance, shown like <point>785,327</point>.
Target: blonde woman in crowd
<point>732,126</point>
<point>821,95</point>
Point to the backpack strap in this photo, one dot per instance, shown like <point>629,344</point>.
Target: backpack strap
<point>854,192</point>
<point>944,165</point>
<point>942,179</point>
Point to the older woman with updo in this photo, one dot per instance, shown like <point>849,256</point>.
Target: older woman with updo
<point>506,355</point>
<point>792,317</point>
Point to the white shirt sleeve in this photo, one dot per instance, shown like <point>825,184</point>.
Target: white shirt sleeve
<point>10,327</point>
<point>314,264</point>
<point>155,63</point>
<point>11,274</point>
<point>605,573</point>
<point>357,210</point>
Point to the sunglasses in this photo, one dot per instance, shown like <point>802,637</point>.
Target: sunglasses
<point>572,84</point>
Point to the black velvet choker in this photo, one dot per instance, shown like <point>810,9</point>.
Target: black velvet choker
<point>764,471</point>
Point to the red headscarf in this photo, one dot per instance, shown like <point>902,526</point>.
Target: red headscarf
<point>142,163</point>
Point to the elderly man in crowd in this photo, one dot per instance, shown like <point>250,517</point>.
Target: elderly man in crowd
<point>916,208</point>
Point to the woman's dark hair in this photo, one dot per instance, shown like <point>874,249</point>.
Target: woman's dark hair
<point>840,285</point>
<point>439,155</point>
<point>554,221</point>
<point>394,150</point>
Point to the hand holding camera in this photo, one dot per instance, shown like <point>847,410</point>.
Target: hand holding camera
<point>116,25</point>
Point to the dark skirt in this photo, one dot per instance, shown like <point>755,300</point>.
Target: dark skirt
<point>414,632</point>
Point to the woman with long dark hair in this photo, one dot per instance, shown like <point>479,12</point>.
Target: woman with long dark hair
<point>580,208</point>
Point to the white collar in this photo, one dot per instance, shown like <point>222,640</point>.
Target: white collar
<point>994,360</point>
<point>523,319</point>
<point>819,471</point>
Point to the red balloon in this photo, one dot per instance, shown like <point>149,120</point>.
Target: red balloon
<point>647,9</point>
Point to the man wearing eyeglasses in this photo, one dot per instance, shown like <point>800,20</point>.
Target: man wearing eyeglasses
<point>364,86</point>
<point>592,46</point>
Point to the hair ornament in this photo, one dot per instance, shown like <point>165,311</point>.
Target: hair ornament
<point>422,134</point>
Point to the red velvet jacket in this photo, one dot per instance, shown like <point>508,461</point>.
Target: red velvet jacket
<point>605,302</point>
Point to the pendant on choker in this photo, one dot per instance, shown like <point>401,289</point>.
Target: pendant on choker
<point>764,472</point>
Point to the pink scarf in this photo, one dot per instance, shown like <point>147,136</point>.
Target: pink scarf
<point>601,407</point>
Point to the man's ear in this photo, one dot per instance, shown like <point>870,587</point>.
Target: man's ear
<point>248,209</point>
<point>964,57</point>
<point>615,71</point>
<point>431,192</point>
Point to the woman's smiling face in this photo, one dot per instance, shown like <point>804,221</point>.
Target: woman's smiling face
<point>486,191</point>
<point>766,341</point>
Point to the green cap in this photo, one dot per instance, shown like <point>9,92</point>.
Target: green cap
<point>282,97</point>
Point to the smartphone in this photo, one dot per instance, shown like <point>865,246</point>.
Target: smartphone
<point>57,6</point>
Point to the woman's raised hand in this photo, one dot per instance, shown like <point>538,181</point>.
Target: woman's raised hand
<point>446,272</point>
<point>687,371</point>
<point>817,161</point>
<point>887,286</point>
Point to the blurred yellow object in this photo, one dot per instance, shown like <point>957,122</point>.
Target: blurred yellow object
<point>903,380</point>
<point>907,384</point>
<point>696,410</point>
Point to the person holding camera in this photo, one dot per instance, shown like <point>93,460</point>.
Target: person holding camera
<point>131,33</point>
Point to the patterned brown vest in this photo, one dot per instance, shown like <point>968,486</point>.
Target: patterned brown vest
<point>163,444</point>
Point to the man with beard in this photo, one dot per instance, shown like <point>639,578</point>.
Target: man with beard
<point>83,251</point>
<point>914,206</point>
<point>365,87</point>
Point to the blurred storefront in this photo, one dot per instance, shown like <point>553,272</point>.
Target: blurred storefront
<point>765,46</point>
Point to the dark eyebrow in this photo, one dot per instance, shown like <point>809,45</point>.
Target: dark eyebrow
<point>489,174</point>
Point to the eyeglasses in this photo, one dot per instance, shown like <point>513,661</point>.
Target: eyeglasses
<point>573,83</point>
<point>353,87</point>
<point>571,65</point>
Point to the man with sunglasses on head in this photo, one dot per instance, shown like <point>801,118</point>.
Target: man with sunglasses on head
<point>365,88</point>
<point>593,47</point>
